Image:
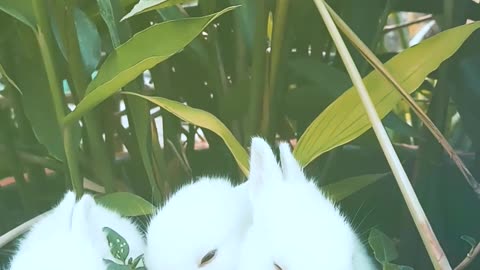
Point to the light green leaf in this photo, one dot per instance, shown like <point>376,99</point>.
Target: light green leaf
<point>148,5</point>
<point>143,51</point>
<point>205,120</point>
<point>383,247</point>
<point>21,10</point>
<point>4,74</point>
<point>345,119</point>
<point>127,204</point>
<point>346,187</point>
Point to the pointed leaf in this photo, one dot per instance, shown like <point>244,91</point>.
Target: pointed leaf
<point>205,120</point>
<point>4,73</point>
<point>126,204</point>
<point>383,247</point>
<point>118,245</point>
<point>346,187</point>
<point>143,51</point>
<point>345,119</point>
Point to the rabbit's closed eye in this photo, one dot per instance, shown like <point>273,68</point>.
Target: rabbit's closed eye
<point>208,258</point>
<point>277,267</point>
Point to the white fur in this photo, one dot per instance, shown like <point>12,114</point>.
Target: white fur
<point>71,237</point>
<point>205,215</point>
<point>294,225</point>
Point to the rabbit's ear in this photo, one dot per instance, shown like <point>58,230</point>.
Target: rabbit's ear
<point>264,168</point>
<point>81,216</point>
<point>290,167</point>
<point>63,211</point>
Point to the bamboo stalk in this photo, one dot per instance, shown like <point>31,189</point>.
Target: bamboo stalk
<point>434,249</point>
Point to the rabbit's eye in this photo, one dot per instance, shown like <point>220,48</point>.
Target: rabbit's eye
<point>277,267</point>
<point>208,257</point>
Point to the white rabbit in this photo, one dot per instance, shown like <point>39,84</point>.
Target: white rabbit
<point>295,227</point>
<point>71,237</point>
<point>200,227</point>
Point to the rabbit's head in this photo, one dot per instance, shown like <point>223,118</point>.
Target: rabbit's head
<point>200,227</point>
<point>295,226</point>
<point>70,236</point>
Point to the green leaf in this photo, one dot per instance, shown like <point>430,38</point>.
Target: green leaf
<point>345,119</point>
<point>21,10</point>
<point>126,204</point>
<point>143,51</point>
<point>118,245</point>
<point>4,74</point>
<point>148,5</point>
<point>346,187</point>
<point>205,120</point>
<point>391,266</point>
<point>470,240</point>
<point>111,265</point>
<point>383,247</point>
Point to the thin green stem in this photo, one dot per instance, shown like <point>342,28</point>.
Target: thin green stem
<point>258,69</point>
<point>101,162</point>
<point>45,41</point>
<point>276,60</point>
<point>432,245</point>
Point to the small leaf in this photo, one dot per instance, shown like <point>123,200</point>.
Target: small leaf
<point>470,240</point>
<point>391,266</point>
<point>205,120</point>
<point>126,204</point>
<point>344,188</point>
<point>383,247</point>
<point>115,266</point>
<point>118,245</point>
<point>143,51</point>
<point>345,119</point>
<point>136,261</point>
<point>148,5</point>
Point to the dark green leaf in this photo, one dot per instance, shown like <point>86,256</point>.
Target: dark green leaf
<point>383,247</point>
<point>116,266</point>
<point>391,266</point>
<point>118,245</point>
<point>344,188</point>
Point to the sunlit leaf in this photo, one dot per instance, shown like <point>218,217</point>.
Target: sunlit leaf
<point>205,120</point>
<point>345,119</point>
<point>143,51</point>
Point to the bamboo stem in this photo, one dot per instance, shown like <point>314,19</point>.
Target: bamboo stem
<point>434,249</point>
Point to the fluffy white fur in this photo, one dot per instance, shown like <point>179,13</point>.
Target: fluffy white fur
<point>71,237</point>
<point>208,214</point>
<point>294,225</point>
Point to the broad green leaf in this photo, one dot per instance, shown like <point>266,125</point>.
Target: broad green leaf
<point>143,51</point>
<point>148,5</point>
<point>36,98</point>
<point>205,120</point>
<point>383,247</point>
<point>4,74</point>
<point>126,204</point>
<point>345,119</point>
<point>118,245</point>
<point>21,10</point>
<point>344,188</point>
